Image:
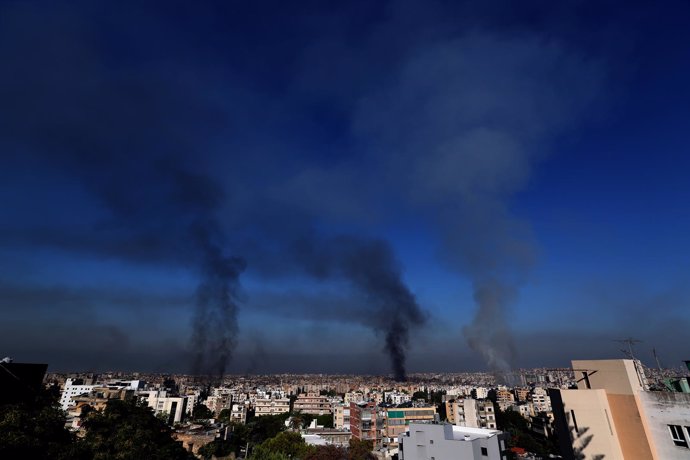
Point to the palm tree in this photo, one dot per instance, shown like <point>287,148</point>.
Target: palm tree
<point>296,421</point>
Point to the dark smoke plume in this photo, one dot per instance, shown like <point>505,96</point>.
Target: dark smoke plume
<point>215,318</point>
<point>371,268</point>
<point>463,122</point>
<point>124,131</point>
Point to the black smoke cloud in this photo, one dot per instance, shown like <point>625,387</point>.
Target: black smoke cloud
<point>203,137</point>
<point>371,268</point>
<point>467,119</point>
<point>138,139</point>
<point>126,135</point>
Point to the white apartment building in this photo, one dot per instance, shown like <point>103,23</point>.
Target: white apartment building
<point>394,397</point>
<point>449,442</point>
<point>481,392</point>
<point>72,388</point>
<point>161,403</point>
<point>238,414</point>
<point>353,397</point>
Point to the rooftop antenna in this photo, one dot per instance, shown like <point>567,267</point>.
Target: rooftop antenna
<point>656,357</point>
<point>636,362</point>
<point>630,341</point>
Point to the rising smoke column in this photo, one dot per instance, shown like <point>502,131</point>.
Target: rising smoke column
<point>128,135</point>
<point>370,267</point>
<point>459,126</point>
<point>215,318</point>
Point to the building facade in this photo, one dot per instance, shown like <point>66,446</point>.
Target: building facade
<point>73,388</point>
<point>450,442</point>
<point>271,406</point>
<point>472,413</point>
<point>398,419</point>
<point>365,422</point>
<point>312,403</point>
<point>612,415</point>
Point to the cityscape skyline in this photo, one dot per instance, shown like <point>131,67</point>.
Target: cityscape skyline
<point>381,188</point>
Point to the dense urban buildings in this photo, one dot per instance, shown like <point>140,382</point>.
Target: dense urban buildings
<point>615,408</point>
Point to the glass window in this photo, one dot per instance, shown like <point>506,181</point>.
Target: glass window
<point>678,436</point>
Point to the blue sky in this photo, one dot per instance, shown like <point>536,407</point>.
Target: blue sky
<point>488,186</point>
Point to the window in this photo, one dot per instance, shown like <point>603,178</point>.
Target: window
<point>431,441</point>
<point>678,436</point>
<point>485,452</point>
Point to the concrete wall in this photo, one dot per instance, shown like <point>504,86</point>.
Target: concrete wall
<point>617,376</point>
<point>427,441</point>
<point>660,409</point>
<point>591,427</point>
<point>629,427</point>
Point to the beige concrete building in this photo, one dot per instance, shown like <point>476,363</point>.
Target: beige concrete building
<point>271,406</point>
<point>398,419</point>
<point>341,417</point>
<point>612,416</point>
<point>312,403</point>
<point>473,413</point>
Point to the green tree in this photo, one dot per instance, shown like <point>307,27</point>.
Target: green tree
<point>421,395</point>
<point>128,430</point>
<point>36,430</point>
<point>238,437</point>
<point>325,420</point>
<point>201,412</point>
<point>306,420</point>
<point>287,443</point>
<point>360,450</point>
<point>296,421</point>
<point>328,452</point>
<point>225,416</point>
<point>520,434</point>
<point>217,448</point>
<point>266,427</point>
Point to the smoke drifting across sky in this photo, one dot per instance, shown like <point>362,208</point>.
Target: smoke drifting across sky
<point>326,167</point>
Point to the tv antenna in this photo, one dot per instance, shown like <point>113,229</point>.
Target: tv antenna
<point>656,357</point>
<point>630,342</point>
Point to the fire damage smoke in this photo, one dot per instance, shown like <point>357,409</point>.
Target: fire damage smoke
<point>215,318</point>
<point>489,334</point>
<point>124,133</point>
<point>463,122</point>
<point>370,266</point>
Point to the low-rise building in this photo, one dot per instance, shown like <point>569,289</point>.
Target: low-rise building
<point>424,441</point>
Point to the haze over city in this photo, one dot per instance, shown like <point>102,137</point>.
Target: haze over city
<point>372,187</point>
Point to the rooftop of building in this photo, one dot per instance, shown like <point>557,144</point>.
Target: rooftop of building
<point>457,433</point>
